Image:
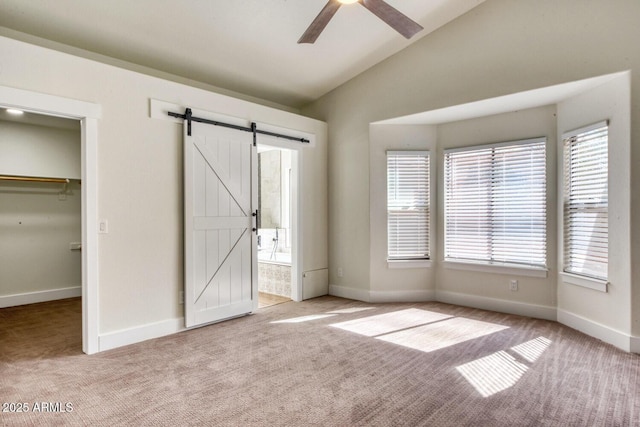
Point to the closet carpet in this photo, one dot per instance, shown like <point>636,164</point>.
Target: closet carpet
<point>325,362</point>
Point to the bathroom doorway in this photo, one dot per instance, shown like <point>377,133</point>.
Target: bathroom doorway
<point>275,230</point>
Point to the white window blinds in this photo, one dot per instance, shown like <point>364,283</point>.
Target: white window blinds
<point>495,203</point>
<point>586,213</point>
<point>408,205</point>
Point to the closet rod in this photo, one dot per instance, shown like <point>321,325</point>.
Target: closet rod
<point>33,179</point>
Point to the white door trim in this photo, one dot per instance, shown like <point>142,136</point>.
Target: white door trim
<point>88,114</point>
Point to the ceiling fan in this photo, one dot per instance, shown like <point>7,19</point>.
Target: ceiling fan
<point>394,18</point>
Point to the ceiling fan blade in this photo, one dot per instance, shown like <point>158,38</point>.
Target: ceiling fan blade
<point>321,21</point>
<point>393,17</point>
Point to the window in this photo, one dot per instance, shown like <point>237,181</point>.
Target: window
<point>495,204</point>
<point>408,205</point>
<point>586,208</point>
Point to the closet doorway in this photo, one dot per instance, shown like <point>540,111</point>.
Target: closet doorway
<point>40,219</point>
<point>88,115</point>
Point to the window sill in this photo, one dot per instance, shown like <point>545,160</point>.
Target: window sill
<point>585,282</point>
<point>409,263</point>
<point>497,268</point>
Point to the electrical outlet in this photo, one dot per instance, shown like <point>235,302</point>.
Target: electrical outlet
<point>103,226</point>
<point>340,272</point>
<point>513,285</point>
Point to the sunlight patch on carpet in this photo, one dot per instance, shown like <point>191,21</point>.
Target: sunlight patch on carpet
<point>304,318</point>
<point>532,350</point>
<point>494,373</point>
<point>390,322</point>
<point>442,334</point>
<point>499,371</point>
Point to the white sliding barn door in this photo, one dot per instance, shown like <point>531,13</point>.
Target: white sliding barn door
<point>220,193</point>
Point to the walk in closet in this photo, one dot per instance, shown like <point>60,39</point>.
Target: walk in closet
<point>40,208</point>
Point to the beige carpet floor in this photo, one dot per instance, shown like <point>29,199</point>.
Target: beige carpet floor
<point>323,362</point>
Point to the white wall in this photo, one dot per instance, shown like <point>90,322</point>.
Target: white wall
<point>531,123</point>
<point>612,309</point>
<point>37,229</point>
<point>409,283</point>
<point>140,179</point>
<point>499,48</point>
<point>32,150</point>
<point>38,225</point>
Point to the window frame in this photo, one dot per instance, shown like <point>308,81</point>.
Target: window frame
<point>493,263</point>
<point>571,275</point>
<point>414,261</point>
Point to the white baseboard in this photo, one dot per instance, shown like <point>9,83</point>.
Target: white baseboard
<point>159,329</point>
<point>402,296</point>
<point>40,296</point>
<point>599,331</point>
<point>349,293</point>
<point>140,333</point>
<point>500,305</point>
<point>586,326</point>
<point>381,296</point>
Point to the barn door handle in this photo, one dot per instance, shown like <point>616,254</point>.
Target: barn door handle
<point>257,217</point>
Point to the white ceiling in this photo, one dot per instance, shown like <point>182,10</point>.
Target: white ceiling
<point>246,46</point>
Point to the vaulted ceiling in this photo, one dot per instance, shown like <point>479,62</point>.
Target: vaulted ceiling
<point>245,46</point>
